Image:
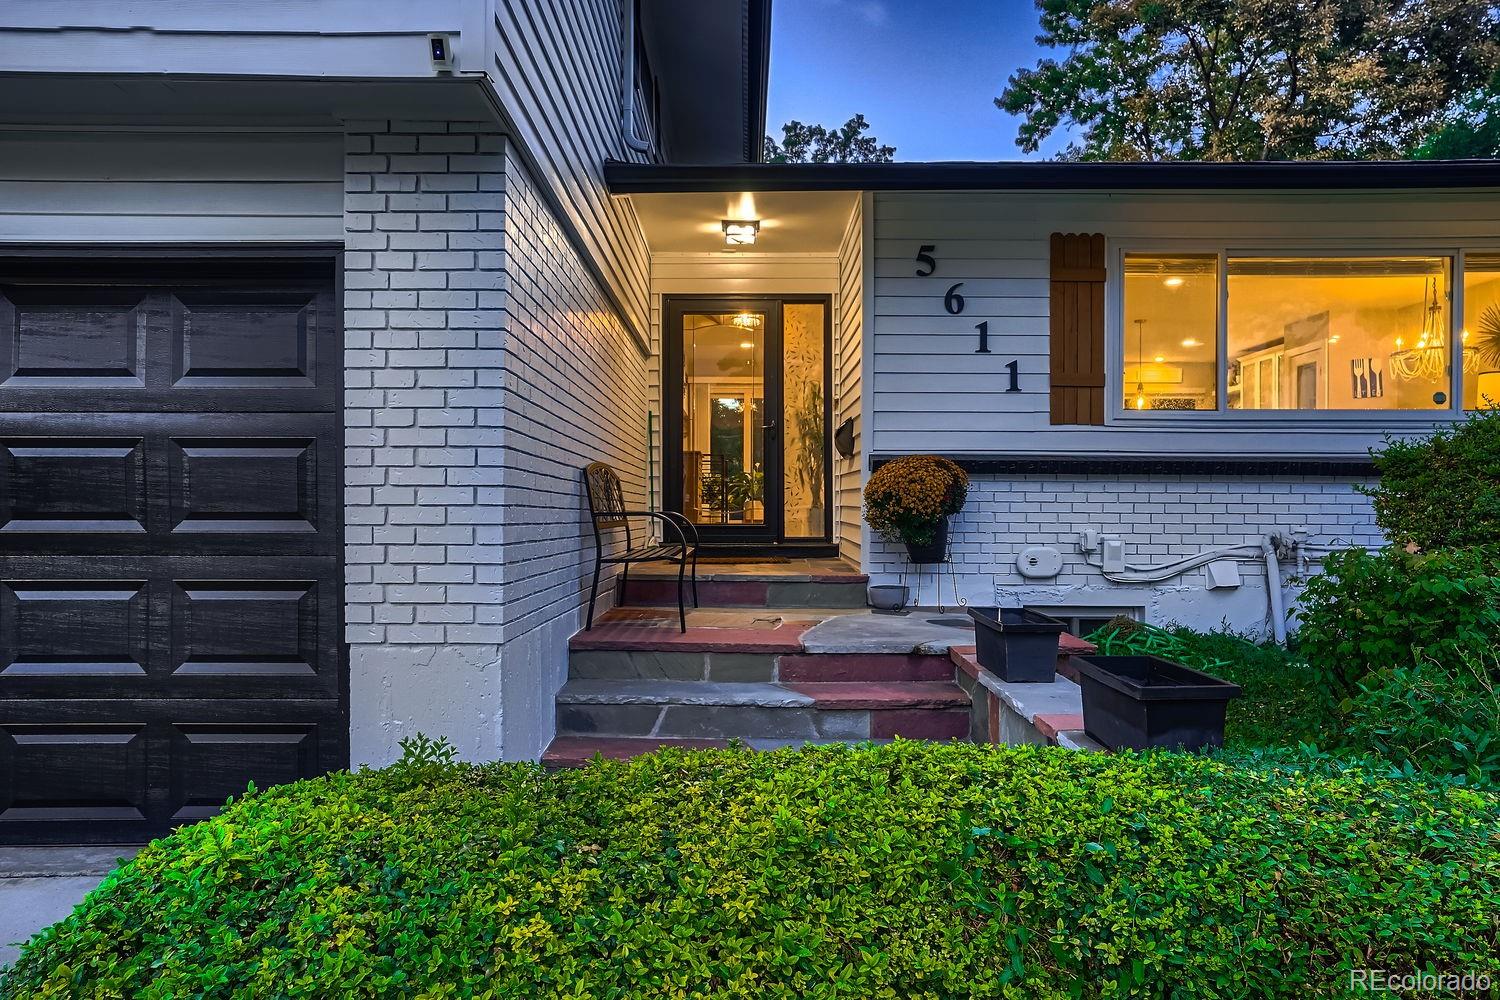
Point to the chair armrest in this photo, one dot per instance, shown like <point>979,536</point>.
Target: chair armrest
<point>658,515</point>
<point>678,517</point>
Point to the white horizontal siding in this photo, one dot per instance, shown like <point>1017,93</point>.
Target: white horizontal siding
<point>557,70</point>
<point>849,473</point>
<point>165,186</point>
<point>328,38</point>
<point>931,392</point>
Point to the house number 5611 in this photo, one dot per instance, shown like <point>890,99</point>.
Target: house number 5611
<point>953,304</point>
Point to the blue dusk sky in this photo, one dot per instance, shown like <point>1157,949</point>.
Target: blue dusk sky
<point>924,73</point>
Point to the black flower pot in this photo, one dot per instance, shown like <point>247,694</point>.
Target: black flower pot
<point>1145,701</point>
<point>1015,644</point>
<point>935,551</point>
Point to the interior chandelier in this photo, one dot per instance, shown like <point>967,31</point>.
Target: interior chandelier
<point>1428,360</point>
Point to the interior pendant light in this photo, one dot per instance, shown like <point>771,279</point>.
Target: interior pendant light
<point>1140,358</point>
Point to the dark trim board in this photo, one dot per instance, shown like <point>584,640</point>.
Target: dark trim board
<point>647,178</point>
<point>1291,465</point>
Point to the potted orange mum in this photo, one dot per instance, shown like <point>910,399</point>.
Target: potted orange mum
<point>912,498</point>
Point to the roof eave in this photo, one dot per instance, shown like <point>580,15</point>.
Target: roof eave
<point>633,178</point>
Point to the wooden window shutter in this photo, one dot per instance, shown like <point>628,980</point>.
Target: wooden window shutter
<point>1077,328</point>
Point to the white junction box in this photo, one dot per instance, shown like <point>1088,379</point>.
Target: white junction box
<point>1039,562</point>
<point>1113,560</point>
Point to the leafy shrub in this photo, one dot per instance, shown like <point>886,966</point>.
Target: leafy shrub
<point>1433,716</point>
<point>905,870</point>
<point>1442,491</point>
<point>907,498</point>
<point>1374,611</point>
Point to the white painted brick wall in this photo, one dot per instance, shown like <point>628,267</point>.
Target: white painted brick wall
<point>483,369</point>
<point>576,386</point>
<point>424,290</point>
<point>1161,518</point>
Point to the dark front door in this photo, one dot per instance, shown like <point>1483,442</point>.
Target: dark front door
<point>723,462</point>
<point>170,539</point>
<point>746,417</point>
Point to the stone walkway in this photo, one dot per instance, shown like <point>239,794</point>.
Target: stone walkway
<point>41,885</point>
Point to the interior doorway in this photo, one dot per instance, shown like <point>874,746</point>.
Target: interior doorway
<point>747,419</point>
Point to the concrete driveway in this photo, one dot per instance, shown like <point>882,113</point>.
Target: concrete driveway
<point>41,885</point>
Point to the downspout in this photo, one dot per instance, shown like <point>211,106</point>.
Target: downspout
<point>627,97</point>
<point>1273,590</point>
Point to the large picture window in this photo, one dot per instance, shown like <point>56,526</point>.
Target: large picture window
<point>1171,332</point>
<point>1295,332</point>
<point>1481,330</point>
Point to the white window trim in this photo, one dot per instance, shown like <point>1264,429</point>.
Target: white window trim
<point>1116,413</point>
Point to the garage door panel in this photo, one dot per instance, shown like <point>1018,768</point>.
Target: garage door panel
<point>80,774</point>
<point>65,338</point>
<point>263,486</point>
<point>247,338</point>
<point>231,627</point>
<point>71,773</point>
<point>68,631</point>
<point>94,335</point>
<point>247,629</point>
<point>211,763</point>
<point>118,484</point>
<point>76,485</point>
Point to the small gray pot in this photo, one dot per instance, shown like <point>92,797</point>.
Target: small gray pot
<point>888,597</point>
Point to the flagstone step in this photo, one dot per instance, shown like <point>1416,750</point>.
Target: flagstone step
<point>777,635</point>
<point>845,591</point>
<point>736,665</point>
<point>785,583</point>
<point>724,710</point>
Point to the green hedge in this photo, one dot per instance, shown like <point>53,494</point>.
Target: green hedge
<point>1369,612</point>
<point>906,870</point>
<point>1442,491</point>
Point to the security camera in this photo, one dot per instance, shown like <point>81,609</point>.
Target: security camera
<point>440,49</point>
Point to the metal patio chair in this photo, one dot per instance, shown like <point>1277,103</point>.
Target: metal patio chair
<point>608,512</point>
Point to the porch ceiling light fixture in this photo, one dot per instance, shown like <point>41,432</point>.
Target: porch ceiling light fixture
<point>1429,359</point>
<point>740,232</point>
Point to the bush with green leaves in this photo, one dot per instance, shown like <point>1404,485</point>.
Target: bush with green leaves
<point>895,871</point>
<point>1443,490</point>
<point>1369,612</point>
<point>1437,717</point>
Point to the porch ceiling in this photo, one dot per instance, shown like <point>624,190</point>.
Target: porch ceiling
<point>790,221</point>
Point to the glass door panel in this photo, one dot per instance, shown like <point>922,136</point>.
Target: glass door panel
<point>724,428</point>
<point>804,328</point>
<point>746,417</point>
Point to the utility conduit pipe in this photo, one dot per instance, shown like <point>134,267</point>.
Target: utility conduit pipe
<point>1266,550</point>
<point>627,95</point>
<point>1273,590</point>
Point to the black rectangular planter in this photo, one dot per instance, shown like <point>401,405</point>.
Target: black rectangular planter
<point>1015,644</point>
<point>1146,701</point>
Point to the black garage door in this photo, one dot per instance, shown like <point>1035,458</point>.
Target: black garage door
<point>170,539</point>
